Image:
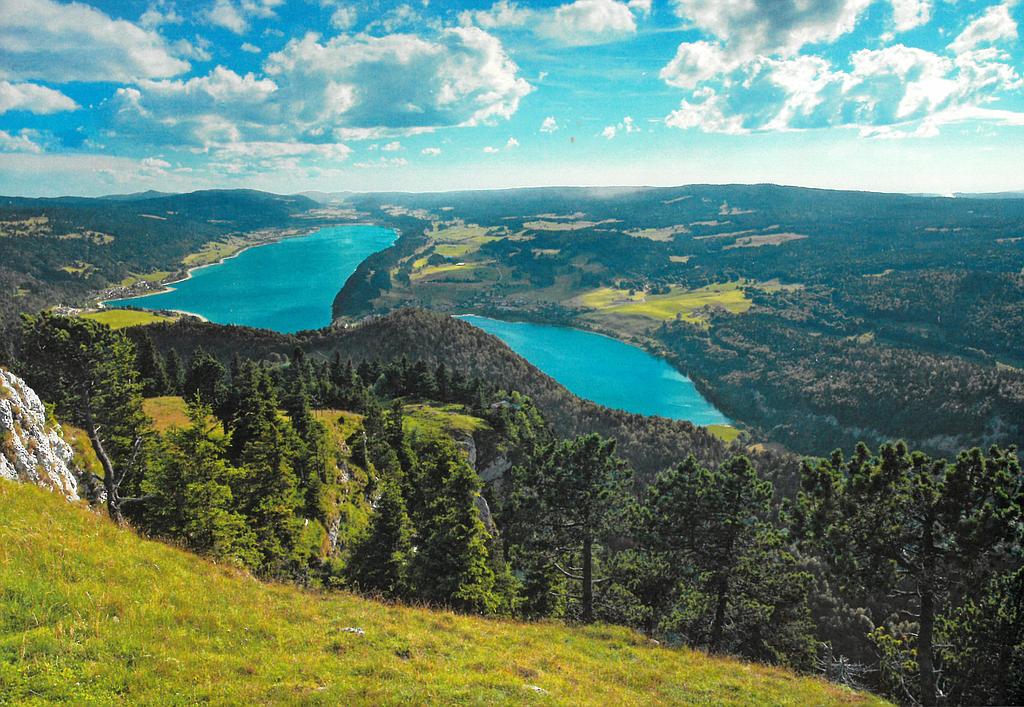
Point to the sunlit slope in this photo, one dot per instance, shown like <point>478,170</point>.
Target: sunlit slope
<point>94,614</point>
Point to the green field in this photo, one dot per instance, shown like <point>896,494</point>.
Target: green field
<point>435,421</point>
<point>680,303</point>
<point>214,252</point>
<point>726,433</point>
<point>121,318</point>
<point>153,277</point>
<point>94,614</point>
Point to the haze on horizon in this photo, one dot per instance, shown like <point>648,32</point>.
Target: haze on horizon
<point>295,95</point>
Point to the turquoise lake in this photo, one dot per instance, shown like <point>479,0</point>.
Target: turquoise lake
<point>286,286</point>
<point>605,370</point>
<point>289,286</point>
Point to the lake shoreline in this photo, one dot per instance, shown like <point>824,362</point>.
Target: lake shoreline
<point>166,286</point>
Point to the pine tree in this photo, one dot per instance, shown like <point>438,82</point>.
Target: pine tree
<point>380,559</point>
<point>568,501</point>
<point>191,493</point>
<point>206,380</point>
<point>917,534</point>
<point>88,371</point>
<point>175,373</point>
<point>451,566</point>
<point>152,369</point>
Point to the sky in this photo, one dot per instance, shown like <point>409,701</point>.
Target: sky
<point>115,96</point>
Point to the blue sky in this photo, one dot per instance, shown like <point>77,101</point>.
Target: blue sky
<point>293,95</point>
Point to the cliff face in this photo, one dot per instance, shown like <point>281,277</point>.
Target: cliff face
<point>31,450</point>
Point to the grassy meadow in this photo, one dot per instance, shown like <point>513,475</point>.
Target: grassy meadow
<point>94,614</point>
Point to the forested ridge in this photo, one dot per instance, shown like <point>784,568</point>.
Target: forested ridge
<point>814,317</point>
<point>302,459</point>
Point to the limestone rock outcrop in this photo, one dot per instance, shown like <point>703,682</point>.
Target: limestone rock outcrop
<point>31,449</point>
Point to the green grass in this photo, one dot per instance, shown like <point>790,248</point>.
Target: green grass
<point>166,412</point>
<point>680,302</point>
<point>121,318</point>
<point>153,277</point>
<point>436,421</point>
<point>94,614</point>
<point>214,252</point>
<point>726,433</point>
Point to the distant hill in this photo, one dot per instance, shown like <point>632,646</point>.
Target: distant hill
<point>92,613</point>
<point>136,196</point>
<point>990,195</point>
<point>649,443</point>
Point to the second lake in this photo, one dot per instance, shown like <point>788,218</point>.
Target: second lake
<point>607,371</point>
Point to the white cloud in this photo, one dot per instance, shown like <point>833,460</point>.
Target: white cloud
<point>994,25</point>
<point>589,22</point>
<point>21,142</point>
<point>696,62</point>
<point>344,18</point>
<point>491,150</point>
<point>895,89</point>
<point>908,14</point>
<point>752,27</point>
<point>160,13</point>
<point>224,13</point>
<point>383,163</point>
<point>627,125</point>
<point>431,151</point>
<point>549,125</point>
<point>33,98</point>
<point>580,22</point>
<point>392,146</point>
<point>250,48</point>
<point>512,143</point>
<point>401,81</point>
<point>50,41</point>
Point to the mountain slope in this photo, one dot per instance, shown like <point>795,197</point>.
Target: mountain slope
<point>649,443</point>
<point>93,613</point>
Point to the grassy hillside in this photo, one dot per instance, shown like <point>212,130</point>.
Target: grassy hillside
<point>92,613</point>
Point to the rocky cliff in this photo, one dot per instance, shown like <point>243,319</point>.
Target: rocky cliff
<point>32,450</point>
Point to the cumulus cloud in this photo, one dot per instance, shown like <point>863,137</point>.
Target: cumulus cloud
<point>580,22</point>
<point>346,88</point>
<point>224,13</point>
<point>625,126</point>
<point>888,90</point>
<point>250,48</point>
<point>765,27</point>
<point>490,150</point>
<point>994,25</point>
<point>21,142</point>
<point>33,98</point>
<point>431,151</point>
<point>344,18</point>
<point>55,42</point>
<point>695,62</point>
<point>549,125</point>
<point>908,14</point>
<point>392,146</point>
<point>511,144</point>
<point>461,77</point>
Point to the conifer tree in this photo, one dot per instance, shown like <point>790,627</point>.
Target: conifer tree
<point>380,559</point>
<point>175,373</point>
<point>451,566</point>
<point>151,369</point>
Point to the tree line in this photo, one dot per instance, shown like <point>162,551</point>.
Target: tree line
<point>890,570</point>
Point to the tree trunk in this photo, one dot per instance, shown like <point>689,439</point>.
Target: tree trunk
<point>588,579</point>
<point>722,591</point>
<point>926,627</point>
<point>109,478</point>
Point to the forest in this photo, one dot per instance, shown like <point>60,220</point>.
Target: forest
<point>881,567</point>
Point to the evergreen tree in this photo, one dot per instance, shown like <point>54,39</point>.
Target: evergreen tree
<point>175,373</point>
<point>380,559</point>
<point>451,566</point>
<point>206,380</point>
<point>920,534</point>
<point>191,493</point>
<point>88,371</point>
<point>567,503</point>
<point>151,369</point>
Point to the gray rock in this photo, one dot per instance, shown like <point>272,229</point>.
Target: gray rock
<point>31,451</point>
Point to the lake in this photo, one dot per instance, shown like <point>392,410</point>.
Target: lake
<point>286,286</point>
<point>607,371</point>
